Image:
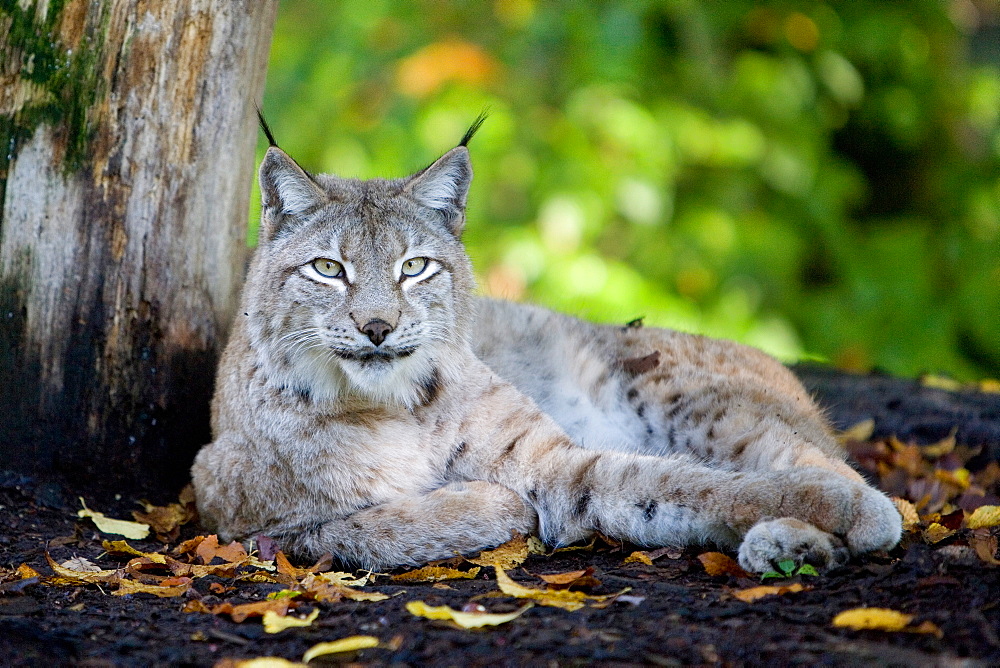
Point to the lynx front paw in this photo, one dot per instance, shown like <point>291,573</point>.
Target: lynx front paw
<point>773,541</point>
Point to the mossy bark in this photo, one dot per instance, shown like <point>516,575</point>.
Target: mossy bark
<point>127,135</point>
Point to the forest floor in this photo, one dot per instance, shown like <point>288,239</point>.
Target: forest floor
<point>173,600</point>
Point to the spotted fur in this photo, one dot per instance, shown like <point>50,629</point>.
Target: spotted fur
<point>474,418</point>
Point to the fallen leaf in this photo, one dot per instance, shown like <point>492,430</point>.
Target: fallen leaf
<point>509,555</point>
<point>133,530</point>
<point>754,593</point>
<point>81,564</point>
<point>467,620</point>
<point>122,548</point>
<point>638,558</point>
<point>127,587</point>
<point>241,612</point>
<point>584,578</point>
<point>344,579</point>
<point>862,431</point>
<point>536,546</point>
<point>911,519</point>
<point>317,588</point>
<point>24,571</point>
<point>259,662</point>
<point>881,619</point>
<point>556,598</point>
<point>275,623</point>
<point>436,574</point>
<point>985,544</point>
<point>984,517</point>
<point>209,549</point>
<point>349,644</point>
<point>716,563</point>
<point>83,577</point>
<point>167,520</point>
<point>935,533</point>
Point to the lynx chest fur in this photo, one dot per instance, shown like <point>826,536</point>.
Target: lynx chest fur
<point>367,405</point>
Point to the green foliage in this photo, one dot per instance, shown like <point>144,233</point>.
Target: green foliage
<point>787,569</point>
<point>816,178</point>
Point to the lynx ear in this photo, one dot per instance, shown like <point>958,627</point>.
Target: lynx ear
<point>285,189</point>
<point>444,187</point>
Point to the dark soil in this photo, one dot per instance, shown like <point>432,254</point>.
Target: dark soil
<point>683,617</point>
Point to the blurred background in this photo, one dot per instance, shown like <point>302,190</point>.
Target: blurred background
<point>821,180</point>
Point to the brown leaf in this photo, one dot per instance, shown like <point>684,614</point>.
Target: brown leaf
<point>911,520</point>
<point>985,545</point>
<point>935,533</point>
<point>239,613</point>
<point>71,576</point>
<point>716,563</point>
<point>754,593</point>
<point>435,574</point>
<point>209,549</point>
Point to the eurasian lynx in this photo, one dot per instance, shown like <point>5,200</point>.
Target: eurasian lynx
<point>369,406</point>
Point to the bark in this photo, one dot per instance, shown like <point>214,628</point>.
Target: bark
<point>128,130</point>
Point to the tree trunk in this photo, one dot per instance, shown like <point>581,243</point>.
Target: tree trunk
<point>128,132</point>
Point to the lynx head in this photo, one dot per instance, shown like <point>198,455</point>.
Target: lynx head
<point>362,288</point>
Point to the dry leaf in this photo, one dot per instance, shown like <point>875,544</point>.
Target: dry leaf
<point>127,587</point>
<point>584,578</point>
<point>881,619</point>
<point>319,589</point>
<point>83,577</point>
<point>862,431</point>
<point>638,558</point>
<point>239,613</point>
<point>567,600</point>
<point>754,593</point>
<point>509,555</point>
<point>165,521</point>
<point>209,548</point>
<point>436,574</point>
<point>344,579</point>
<point>935,533</point>
<point>536,546</point>
<point>259,662</point>
<point>81,564</point>
<point>716,563</point>
<point>349,644</point>
<point>122,548</point>
<point>984,517</point>
<point>911,519</point>
<point>275,623</point>
<point>24,571</point>
<point>132,530</point>
<point>467,620</point>
<point>985,544</point>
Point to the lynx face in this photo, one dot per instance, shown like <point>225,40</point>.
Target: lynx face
<point>369,280</point>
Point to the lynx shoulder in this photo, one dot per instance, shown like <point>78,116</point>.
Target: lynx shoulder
<point>369,406</point>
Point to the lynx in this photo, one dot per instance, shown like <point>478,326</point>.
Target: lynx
<point>369,406</point>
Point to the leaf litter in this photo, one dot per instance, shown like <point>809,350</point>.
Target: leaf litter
<point>943,503</point>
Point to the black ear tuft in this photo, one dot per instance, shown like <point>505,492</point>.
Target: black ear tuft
<point>265,127</point>
<point>474,128</point>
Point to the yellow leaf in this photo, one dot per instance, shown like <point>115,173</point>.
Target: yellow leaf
<point>467,620</point>
<point>911,519</point>
<point>753,593</point>
<point>120,547</point>
<point>881,619</point>
<point>984,517</point>
<point>349,644</point>
<point>935,533</point>
<point>638,558</point>
<point>862,431</point>
<point>259,662</point>
<point>345,579</point>
<point>960,478</point>
<point>436,574</point>
<point>275,623</point>
<point>24,571</point>
<point>132,530</point>
<point>536,546</point>
<point>989,385</point>
<point>510,554</point>
<point>556,598</point>
<point>83,577</point>
<point>126,587</point>
<point>940,383</point>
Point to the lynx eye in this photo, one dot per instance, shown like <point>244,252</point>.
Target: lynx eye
<point>328,268</point>
<point>414,266</point>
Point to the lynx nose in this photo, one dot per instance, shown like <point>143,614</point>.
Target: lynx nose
<point>376,331</point>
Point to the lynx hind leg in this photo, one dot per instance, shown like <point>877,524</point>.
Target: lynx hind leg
<point>772,541</point>
<point>458,518</point>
